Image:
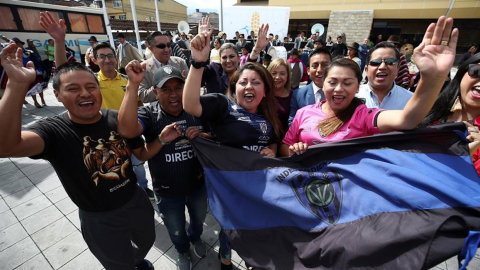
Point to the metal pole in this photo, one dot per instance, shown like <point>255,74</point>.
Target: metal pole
<point>449,8</point>
<point>135,23</point>
<point>221,16</point>
<point>157,14</point>
<point>107,24</point>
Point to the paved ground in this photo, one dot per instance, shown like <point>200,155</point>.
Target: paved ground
<point>39,224</point>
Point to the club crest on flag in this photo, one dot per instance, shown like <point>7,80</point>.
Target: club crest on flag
<point>320,193</point>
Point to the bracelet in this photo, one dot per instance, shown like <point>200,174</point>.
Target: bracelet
<point>161,142</point>
<point>198,65</point>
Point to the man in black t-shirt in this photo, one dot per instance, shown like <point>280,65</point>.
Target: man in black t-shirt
<point>177,175</point>
<point>92,161</point>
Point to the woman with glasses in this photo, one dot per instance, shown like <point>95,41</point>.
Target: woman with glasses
<point>344,116</point>
<point>460,101</point>
<point>246,117</point>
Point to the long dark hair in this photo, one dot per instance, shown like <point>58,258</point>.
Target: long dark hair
<point>268,105</point>
<point>444,103</point>
<point>329,125</point>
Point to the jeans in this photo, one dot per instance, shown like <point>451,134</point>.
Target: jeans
<point>172,211</point>
<point>139,170</point>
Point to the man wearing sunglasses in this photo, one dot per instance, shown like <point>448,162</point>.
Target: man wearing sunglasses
<point>381,90</point>
<point>161,47</point>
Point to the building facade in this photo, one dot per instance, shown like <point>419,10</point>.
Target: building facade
<point>169,10</point>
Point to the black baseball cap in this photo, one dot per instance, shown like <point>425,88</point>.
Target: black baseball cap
<point>93,38</point>
<point>165,73</point>
<point>17,40</point>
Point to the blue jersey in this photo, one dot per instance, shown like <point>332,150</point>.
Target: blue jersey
<point>233,125</point>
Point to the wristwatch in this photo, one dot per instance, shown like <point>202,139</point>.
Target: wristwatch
<point>161,142</point>
<point>198,65</point>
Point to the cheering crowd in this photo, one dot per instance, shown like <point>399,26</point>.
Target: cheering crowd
<point>131,111</point>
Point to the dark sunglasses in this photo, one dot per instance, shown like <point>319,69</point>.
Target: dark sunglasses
<point>474,70</point>
<point>388,61</point>
<point>163,45</point>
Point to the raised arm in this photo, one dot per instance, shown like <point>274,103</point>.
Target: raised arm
<point>57,31</point>
<point>14,142</point>
<point>434,58</point>
<point>128,124</point>
<point>200,49</point>
<point>261,42</point>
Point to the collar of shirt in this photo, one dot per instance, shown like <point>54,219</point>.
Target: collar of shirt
<point>159,65</point>
<point>104,78</point>
<point>389,91</point>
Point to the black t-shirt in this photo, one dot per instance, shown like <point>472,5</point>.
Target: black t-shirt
<point>92,161</point>
<point>233,125</point>
<point>339,49</point>
<point>175,170</point>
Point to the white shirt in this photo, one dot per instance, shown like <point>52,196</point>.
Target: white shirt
<point>159,65</point>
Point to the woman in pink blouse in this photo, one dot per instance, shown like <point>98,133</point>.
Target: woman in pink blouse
<point>343,116</point>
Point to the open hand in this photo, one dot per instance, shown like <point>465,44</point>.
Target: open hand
<point>12,62</point>
<point>135,72</point>
<point>262,37</point>
<point>55,29</point>
<point>434,57</point>
<point>204,24</point>
<point>200,45</point>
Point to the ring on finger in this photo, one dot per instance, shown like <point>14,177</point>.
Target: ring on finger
<point>444,43</point>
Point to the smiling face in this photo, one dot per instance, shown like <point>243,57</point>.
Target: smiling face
<point>216,44</point>
<point>250,90</point>
<point>280,77</point>
<point>470,91</point>
<point>229,60</point>
<point>162,55</point>
<point>318,63</point>
<point>170,96</point>
<point>80,94</point>
<point>381,78</point>
<point>340,87</point>
<point>106,64</point>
